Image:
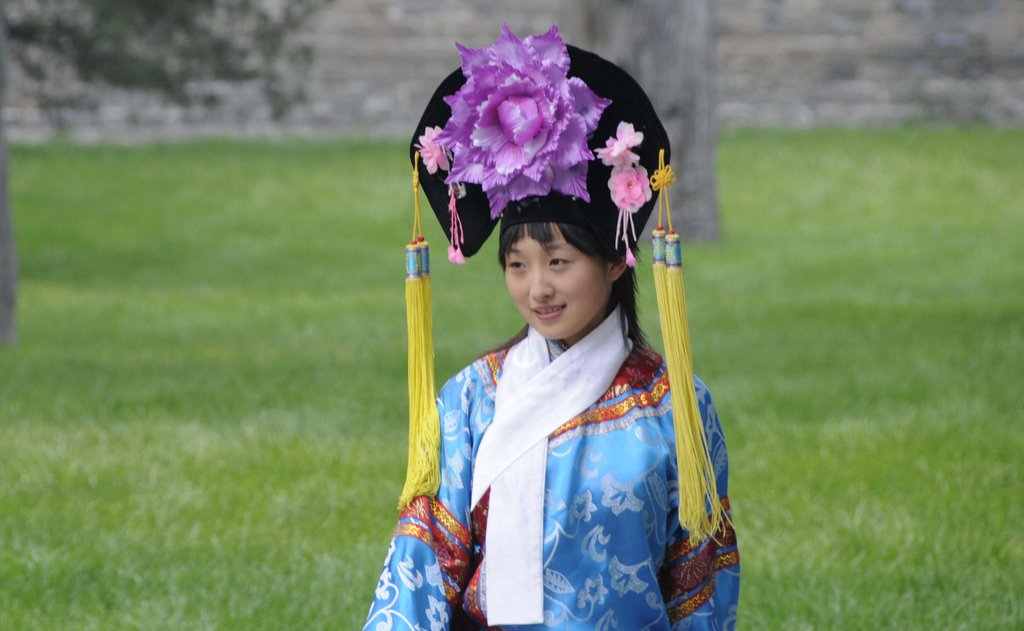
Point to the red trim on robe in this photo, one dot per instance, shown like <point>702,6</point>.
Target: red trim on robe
<point>687,569</point>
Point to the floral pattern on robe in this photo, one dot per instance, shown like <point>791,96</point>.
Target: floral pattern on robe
<point>615,556</point>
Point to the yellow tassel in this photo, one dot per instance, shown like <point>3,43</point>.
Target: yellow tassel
<point>700,508</point>
<point>423,475</point>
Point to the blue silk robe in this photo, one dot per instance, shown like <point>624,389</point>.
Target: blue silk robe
<point>615,556</point>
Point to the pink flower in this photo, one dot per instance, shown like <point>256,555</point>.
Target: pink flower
<point>630,188</point>
<point>616,152</point>
<point>432,153</point>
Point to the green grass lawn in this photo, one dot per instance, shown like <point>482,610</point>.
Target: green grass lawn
<point>203,425</point>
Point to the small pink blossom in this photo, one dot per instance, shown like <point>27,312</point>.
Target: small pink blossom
<point>432,153</point>
<point>616,152</point>
<point>630,188</point>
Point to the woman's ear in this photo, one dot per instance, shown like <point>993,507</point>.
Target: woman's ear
<point>616,269</point>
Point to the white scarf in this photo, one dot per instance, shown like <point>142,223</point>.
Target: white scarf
<point>535,396</point>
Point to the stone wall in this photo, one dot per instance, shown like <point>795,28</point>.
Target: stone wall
<point>780,62</point>
<point>852,62</point>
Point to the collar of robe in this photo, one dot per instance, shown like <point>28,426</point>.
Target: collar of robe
<point>535,396</point>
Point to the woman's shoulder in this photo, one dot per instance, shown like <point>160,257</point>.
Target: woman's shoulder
<point>642,371</point>
<point>489,365</point>
<point>482,374</point>
<point>643,358</point>
<point>643,366</point>
<point>645,369</point>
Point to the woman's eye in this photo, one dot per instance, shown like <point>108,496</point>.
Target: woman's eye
<point>515,265</point>
<point>558,261</point>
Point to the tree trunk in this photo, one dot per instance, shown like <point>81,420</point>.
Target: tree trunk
<point>685,65</point>
<point>8,260</point>
<point>669,46</point>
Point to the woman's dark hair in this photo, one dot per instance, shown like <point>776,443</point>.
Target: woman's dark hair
<point>624,290</point>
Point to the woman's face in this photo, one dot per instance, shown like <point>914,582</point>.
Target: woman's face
<point>560,291</point>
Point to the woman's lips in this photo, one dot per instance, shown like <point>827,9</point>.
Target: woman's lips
<point>548,313</point>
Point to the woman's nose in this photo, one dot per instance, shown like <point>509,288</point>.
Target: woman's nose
<point>540,286</point>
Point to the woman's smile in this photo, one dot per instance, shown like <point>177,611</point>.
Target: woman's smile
<point>548,313</point>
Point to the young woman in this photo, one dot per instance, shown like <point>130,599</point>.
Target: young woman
<point>559,504</point>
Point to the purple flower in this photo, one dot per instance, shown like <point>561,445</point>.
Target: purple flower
<point>520,124</point>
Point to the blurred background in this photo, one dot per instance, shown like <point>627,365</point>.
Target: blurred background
<point>203,214</point>
<point>104,68</point>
